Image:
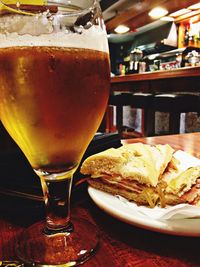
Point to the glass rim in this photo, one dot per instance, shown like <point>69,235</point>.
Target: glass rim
<point>47,6</point>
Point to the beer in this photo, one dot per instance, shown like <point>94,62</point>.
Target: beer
<point>52,101</point>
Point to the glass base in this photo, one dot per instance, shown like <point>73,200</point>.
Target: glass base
<point>66,249</point>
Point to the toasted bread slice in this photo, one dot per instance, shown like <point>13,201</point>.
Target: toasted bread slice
<point>139,162</point>
<point>162,155</point>
<point>184,181</point>
<point>172,170</point>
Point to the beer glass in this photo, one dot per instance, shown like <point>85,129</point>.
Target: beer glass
<point>54,87</point>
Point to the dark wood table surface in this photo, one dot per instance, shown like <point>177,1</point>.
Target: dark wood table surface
<point>122,245</point>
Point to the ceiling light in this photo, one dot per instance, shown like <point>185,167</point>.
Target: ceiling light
<point>189,14</point>
<point>122,29</point>
<point>167,18</point>
<point>158,12</point>
<point>195,6</point>
<point>180,12</point>
<point>153,56</point>
<point>194,19</point>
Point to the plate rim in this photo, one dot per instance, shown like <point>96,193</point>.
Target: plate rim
<point>99,198</point>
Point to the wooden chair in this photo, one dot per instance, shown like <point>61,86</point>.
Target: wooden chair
<point>135,100</point>
<point>174,104</point>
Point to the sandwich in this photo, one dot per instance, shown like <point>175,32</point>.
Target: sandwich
<point>186,186</point>
<point>145,174</point>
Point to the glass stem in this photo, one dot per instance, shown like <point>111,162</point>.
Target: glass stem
<point>57,203</point>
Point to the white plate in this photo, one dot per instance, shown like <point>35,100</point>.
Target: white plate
<point>118,209</point>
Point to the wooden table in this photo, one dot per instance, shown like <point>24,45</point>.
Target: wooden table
<point>122,245</point>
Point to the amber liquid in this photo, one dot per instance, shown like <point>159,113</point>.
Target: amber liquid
<point>52,101</point>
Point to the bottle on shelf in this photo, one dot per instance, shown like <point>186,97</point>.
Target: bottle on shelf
<point>186,36</point>
<point>135,58</point>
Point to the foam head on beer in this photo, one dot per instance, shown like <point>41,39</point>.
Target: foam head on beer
<point>46,29</point>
